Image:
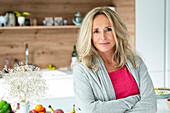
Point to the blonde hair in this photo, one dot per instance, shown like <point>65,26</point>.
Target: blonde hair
<point>123,49</point>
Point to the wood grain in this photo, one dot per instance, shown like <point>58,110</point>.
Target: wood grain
<point>45,46</point>
<point>39,9</point>
<point>126,10</point>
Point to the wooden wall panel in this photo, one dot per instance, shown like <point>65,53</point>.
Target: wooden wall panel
<point>45,46</point>
<point>126,10</point>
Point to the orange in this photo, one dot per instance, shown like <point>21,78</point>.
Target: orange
<point>39,108</point>
<point>42,112</point>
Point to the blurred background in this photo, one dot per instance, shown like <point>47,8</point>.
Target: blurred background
<point>43,33</point>
<point>51,41</point>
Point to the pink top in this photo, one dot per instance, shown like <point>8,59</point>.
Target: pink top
<point>123,83</point>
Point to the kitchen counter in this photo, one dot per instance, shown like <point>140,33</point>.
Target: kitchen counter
<point>162,106</point>
<point>59,83</point>
<point>61,95</point>
<point>67,103</point>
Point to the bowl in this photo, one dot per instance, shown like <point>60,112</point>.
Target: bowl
<point>162,94</point>
<point>168,102</point>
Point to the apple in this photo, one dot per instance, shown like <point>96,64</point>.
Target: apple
<point>12,111</point>
<point>58,111</point>
<point>33,111</point>
<point>44,110</point>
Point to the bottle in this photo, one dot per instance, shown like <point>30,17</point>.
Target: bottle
<point>65,22</point>
<point>6,64</point>
<point>74,55</point>
<point>15,62</point>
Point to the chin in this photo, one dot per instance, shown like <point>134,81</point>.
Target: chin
<point>105,50</point>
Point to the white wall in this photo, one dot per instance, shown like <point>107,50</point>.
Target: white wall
<point>168,42</point>
<point>150,18</point>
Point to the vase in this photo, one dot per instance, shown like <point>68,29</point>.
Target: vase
<point>27,22</point>
<point>77,20</point>
<point>24,107</point>
<point>3,20</point>
<point>21,20</point>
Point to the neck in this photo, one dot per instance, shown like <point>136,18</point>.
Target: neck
<point>107,57</point>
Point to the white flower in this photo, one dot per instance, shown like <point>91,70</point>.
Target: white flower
<point>25,83</point>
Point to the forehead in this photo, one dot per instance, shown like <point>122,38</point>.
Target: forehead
<point>100,20</point>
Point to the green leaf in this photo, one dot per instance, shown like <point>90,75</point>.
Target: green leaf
<point>25,14</point>
<point>17,13</point>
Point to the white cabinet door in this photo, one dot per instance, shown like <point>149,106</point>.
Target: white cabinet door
<point>150,35</point>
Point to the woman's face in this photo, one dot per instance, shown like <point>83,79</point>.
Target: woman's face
<point>102,35</point>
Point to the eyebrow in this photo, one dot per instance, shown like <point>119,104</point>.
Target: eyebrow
<point>105,27</point>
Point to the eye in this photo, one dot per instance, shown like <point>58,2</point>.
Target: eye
<point>109,29</point>
<point>96,31</point>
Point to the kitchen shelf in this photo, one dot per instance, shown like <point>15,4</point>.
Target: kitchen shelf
<point>40,27</point>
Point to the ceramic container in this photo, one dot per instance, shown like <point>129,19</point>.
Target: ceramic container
<point>168,102</point>
<point>21,20</point>
<point>77,20</point>
<point>24,107</point>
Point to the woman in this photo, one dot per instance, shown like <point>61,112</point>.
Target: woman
<point>109,77</point>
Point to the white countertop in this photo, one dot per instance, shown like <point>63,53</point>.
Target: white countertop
<point>162,106</point>
<point>61,95</point>
<point>67,103</point>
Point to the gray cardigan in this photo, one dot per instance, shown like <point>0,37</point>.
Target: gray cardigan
<point>94,91</point>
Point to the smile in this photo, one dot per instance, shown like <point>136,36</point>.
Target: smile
<point>104,44</point>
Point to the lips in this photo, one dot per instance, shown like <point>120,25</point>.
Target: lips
<point>104,44</point>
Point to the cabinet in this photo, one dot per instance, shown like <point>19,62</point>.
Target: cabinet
<point>152,18</point>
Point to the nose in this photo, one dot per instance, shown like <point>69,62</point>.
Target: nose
<point>102,35</point>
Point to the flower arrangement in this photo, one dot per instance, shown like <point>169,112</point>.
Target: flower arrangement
<point>25,83</point>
